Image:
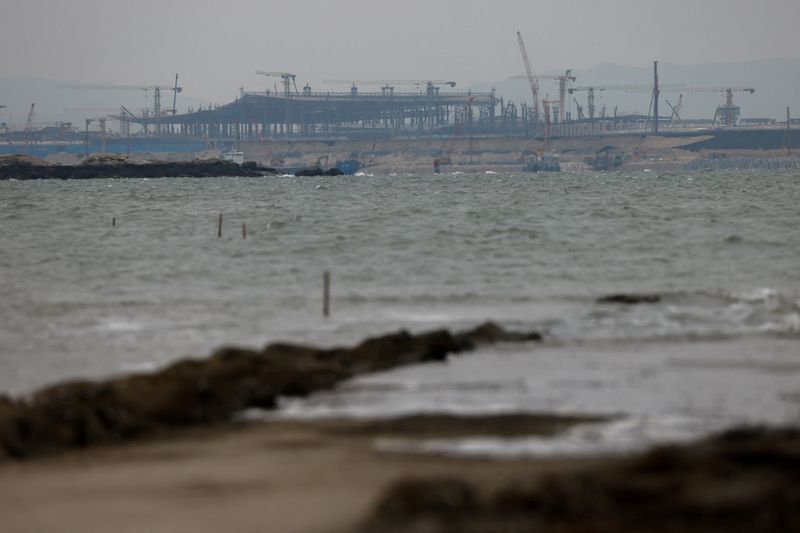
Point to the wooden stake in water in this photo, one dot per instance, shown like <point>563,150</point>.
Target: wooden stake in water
<point>219,226</point>
<point>114,221</point>
<point>244,231</point>
<point>326,294</point>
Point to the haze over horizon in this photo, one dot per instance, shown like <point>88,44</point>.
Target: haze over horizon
<point>217,47</point>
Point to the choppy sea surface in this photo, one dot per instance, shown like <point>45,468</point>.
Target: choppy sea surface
<point>82,298</point>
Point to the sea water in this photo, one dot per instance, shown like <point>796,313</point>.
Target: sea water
<point>82,298</point>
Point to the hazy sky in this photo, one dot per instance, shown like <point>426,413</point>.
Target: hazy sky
<point>217,46</point>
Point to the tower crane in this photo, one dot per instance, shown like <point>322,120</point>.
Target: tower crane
<point>628,88</point>
<point>563,85</point>
<point>547,103</point>
<point>287,77</point>
<point>727,113</point>
<point>534,83</point>
<point>155,88</point>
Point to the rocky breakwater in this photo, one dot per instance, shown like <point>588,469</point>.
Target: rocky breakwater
<point>190,392</point>
<point>742,481</point>
<point>115,167</point>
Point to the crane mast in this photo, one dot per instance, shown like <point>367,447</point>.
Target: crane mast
<point>288,78</point>
<point>31,114</point>
<point>534,83</point>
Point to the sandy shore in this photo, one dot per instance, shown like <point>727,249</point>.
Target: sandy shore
<point>286,477</point>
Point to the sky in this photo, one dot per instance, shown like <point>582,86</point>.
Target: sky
<point>216,46</point>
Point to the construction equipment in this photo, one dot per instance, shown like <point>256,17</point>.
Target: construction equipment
<point>288,80</point>
<point>727,113</point>
<point>102,121</point>
<point>676,110</point>
<point>395,82</point>
<point>547,103</point>
<point>175,92</point>
<point>563,85</point>
<point>581,116</point>
<point>31,114</point>
<point>387,86</point>
<point>155,88</point>
<point>534,83</point>
<point>628,88</point>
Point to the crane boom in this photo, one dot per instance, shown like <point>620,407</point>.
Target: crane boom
<point>124,87</point>
<point>31,113</point>
<point>155,88</point>
<point>534,83</point>
<point>396,82</point>
<point>717,89</point>
<point>632,88</point>
<point>287,77</point>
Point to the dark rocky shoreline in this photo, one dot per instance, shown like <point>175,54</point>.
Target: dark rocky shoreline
<point>24,168</point>
<point>79,414</point>
<point>741,481</point>
<point>114,167</point>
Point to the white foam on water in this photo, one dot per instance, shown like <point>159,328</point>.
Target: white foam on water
<point>119,325</point>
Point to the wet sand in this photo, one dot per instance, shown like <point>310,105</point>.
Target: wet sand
<point>286,477</point>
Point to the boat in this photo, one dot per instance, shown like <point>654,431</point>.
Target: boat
<point>348,166</point>
<point>543,162</point>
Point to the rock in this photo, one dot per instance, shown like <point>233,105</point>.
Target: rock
<point>189,392</point>
<point>489,333</point>
<point>317,171</point>
<point>630,299</point>
<point>105,159</point>
<point>439,496</point>
<point>740,481</point>
<point>22,161</point>
<point>103,167</point>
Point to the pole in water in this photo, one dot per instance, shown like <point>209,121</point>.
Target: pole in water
<point>219,226</point>
<point>244,231</point>
<point>114,221</point>
<point>326,294</point>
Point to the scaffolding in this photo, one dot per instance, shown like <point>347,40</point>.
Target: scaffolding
<point>267,115</point>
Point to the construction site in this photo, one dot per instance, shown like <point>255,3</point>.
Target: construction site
<point>413,124</point>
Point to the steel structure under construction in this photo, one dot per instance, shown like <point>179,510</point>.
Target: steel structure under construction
<point>317,114</point>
